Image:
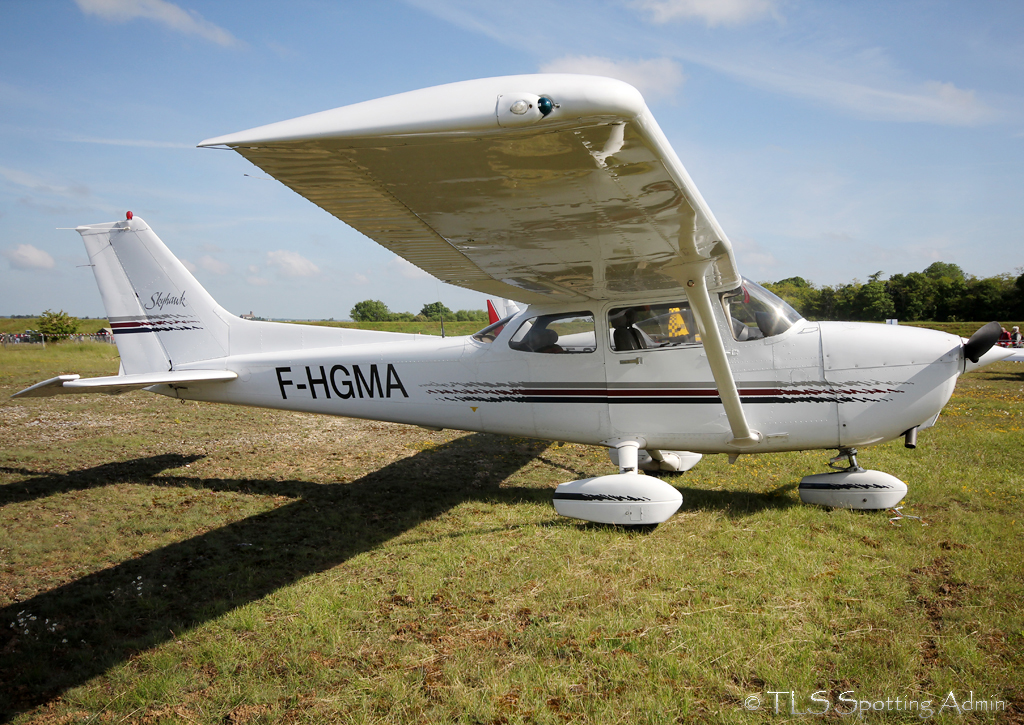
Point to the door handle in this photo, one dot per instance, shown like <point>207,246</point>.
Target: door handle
<point>635,361</point>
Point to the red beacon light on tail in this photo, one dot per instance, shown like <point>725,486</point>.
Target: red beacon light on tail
<point>129,216</point>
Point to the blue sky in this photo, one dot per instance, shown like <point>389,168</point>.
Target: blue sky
<point>832,140</point>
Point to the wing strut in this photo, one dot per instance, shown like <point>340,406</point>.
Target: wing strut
<point>704,316</point>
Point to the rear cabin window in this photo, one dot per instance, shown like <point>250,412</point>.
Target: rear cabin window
<point>565,333</point>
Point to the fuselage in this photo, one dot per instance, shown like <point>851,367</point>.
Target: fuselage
<point>817,385</point>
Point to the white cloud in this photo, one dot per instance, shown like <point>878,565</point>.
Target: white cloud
<point>654,78</point>
<point>712,12</point>
<point>254,277</point>
<point>361,278</point>
<point>292,264</point>
<point>406,268</point>
<point>33,182</point>
<point>25,256</point>
<point>135,143</point>
<point>211,264</point>
<point>282,51</point>
<point>815,54</point>
<point>188,265</point>
<point>755,261</point>
<point>853,85</point>
<point>166,13</point>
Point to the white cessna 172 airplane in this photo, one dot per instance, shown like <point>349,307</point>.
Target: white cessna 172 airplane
<point>638,333</point>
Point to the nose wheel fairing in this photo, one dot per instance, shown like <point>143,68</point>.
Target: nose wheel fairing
<point>852,487</point>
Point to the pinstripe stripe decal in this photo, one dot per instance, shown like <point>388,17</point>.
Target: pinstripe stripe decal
<point>153,323</point>
<point>647,394</point>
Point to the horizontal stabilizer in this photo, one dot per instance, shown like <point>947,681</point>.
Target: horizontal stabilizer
<point>115,384</point>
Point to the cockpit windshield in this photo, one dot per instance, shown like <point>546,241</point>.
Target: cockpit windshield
<point>756,313</point>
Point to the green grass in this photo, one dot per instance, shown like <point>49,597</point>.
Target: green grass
<point>216,564</point>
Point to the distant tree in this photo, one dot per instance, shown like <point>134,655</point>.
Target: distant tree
<point>913,296</point>
<point>799,293</point>
<point>825,307</point>
<point>951,300</point>
<point>370,311</point>
<point>871,302</point>
<point>57,323</point>
<point>845,306</point>
<point>435,311</point>
<point>990,298</point>
<point>942,293</point>
<point>939,270</point>
<point>471,315</point>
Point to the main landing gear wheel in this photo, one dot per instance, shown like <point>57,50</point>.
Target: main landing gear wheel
<point>624,499</point>
<point>852,487</point>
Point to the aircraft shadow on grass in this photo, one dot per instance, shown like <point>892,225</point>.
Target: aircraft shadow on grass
<point>101,619</point>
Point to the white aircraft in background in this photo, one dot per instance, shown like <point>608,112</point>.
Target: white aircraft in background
<point>637,333</point>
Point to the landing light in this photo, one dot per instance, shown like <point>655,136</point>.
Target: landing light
<point>521,107</point>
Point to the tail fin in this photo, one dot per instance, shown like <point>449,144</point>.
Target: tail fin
<point>501,309</point>
<point>161,316</point>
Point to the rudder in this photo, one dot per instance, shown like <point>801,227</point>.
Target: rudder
<point>160,315</point>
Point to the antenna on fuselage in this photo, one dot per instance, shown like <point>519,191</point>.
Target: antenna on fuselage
<point>440,311</point>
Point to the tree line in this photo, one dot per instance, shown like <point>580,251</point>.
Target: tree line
<point>941,293</point>
<point>377,311</point>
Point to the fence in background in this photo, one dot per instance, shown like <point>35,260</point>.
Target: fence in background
<point>38,338</point>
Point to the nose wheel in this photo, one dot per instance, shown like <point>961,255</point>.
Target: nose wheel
<point>626,498</point>
<point>852,487</point>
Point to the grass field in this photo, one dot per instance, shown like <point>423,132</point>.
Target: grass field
<point>170,562</point>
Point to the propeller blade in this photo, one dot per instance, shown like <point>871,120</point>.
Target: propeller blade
<point>982,341</point>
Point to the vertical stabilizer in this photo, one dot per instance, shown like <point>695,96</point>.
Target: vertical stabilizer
<point>161,316</point>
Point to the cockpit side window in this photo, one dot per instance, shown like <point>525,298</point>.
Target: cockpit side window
<point>570,332</point>
<point>489,333</point>
<point>652,327</point>
<point>755,313</point>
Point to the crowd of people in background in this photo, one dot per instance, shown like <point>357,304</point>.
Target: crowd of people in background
<point>1011,338</point>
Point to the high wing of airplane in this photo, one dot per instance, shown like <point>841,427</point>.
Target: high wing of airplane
<point>637,332</point>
